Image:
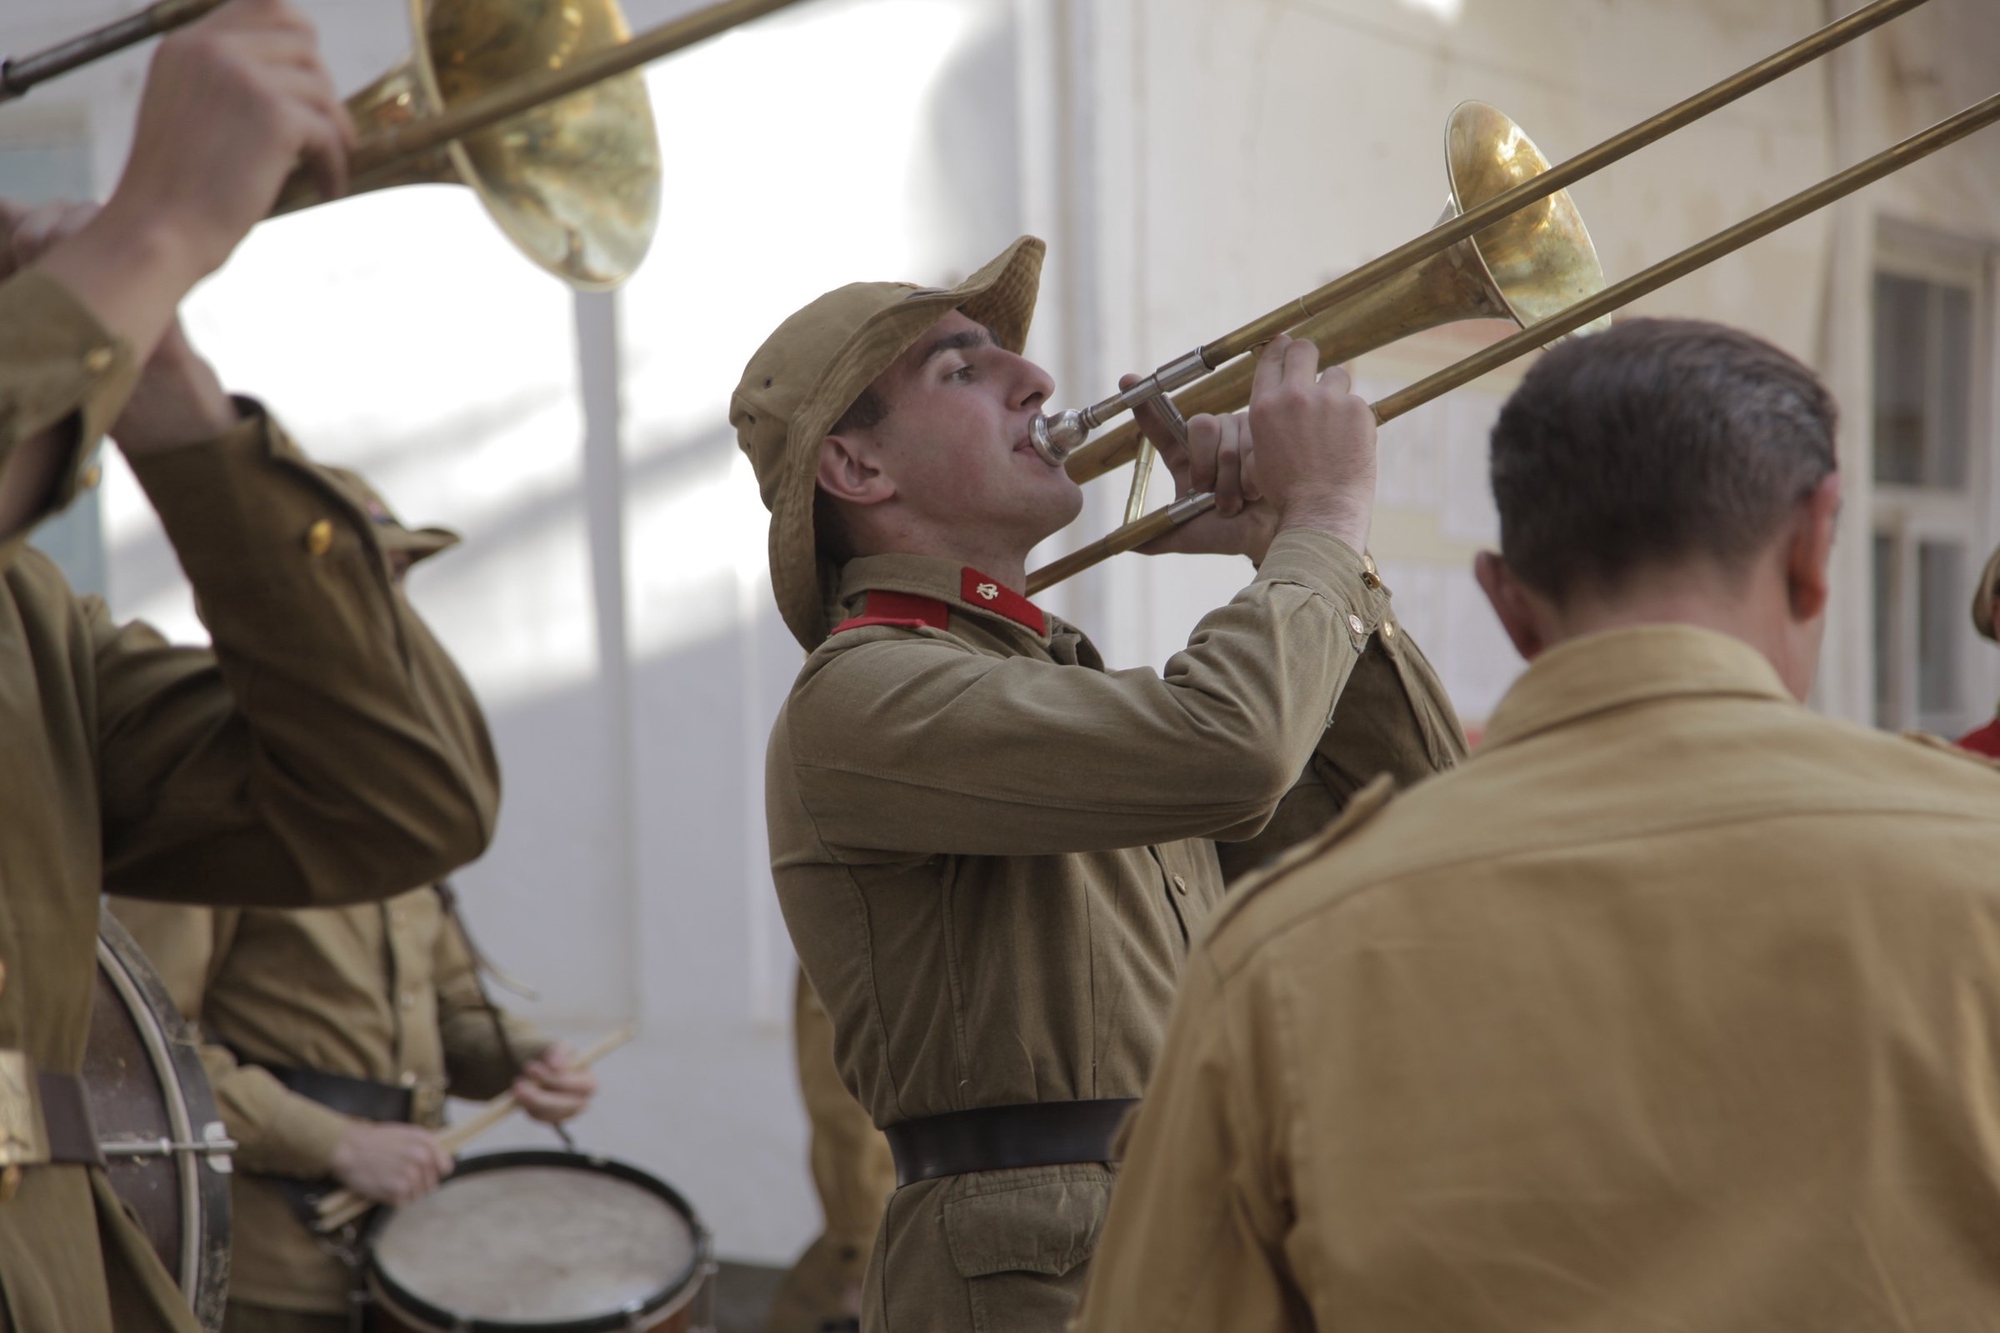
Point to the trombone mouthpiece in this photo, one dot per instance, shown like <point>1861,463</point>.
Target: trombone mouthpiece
<point>1056,438</point>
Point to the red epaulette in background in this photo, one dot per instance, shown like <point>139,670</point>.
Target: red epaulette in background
<point>903,609</point>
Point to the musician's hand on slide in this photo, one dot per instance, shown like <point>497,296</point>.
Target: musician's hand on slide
<point>553,1087</point>
<point>1218,458</point>
<point>1316,442</point>
<point>178,399</point>
<point>232,103</point>
<point>389,1162</point>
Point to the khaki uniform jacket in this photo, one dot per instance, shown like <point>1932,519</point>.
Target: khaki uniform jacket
<point>381,991</point>
<point>991,854</point>
<point>1675,1008</point>
<point>324,751</point>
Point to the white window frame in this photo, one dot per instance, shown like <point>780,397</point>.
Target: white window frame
<point>1912,515</point>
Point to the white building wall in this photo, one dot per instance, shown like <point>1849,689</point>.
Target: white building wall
<point>1193,162</point>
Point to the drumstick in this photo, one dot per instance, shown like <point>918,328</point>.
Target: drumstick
<point>342,1206</point>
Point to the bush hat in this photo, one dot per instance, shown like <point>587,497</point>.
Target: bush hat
<point>810,371</point>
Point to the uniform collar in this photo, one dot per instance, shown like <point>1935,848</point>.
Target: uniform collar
<point>959,588</point>
<point>1630,666</point>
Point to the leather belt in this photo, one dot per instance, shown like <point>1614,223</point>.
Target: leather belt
<point>66,1119</point>
<point>362,1098</point>
<point>1002,1138</point>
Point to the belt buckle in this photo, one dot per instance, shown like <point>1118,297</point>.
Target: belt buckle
<point>23,1139</point>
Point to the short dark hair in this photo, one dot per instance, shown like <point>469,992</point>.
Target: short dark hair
<point>1649,444</point>
<point>830,535</point>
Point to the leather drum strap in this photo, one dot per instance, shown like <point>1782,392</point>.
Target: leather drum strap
<point>66,1119</point>
<point>1002,1138</point>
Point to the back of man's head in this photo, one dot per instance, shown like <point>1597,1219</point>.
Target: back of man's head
<point>1659,443</point>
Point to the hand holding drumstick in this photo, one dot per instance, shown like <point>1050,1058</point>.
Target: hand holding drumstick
<point>563,1084</point>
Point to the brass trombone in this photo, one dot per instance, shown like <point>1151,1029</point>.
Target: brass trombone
<point>533,105</point>
<point>1400,292</point>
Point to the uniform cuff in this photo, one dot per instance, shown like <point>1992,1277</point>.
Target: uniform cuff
<point>247,510</point>
<point>58,363</point>
<point>1334,570</point>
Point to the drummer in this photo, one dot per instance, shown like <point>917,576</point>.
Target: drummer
<point>358,765</point>
<point>332,1037</point>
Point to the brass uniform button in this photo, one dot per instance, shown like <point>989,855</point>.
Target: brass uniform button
<point>319,537</point>
<point>91,476</point>
<point>1370,577</point>
<point>409,1078</point>
<point>1388,629</point>
<point>1180,884</point>
<point>97,360</point>
<point>1354,623</point>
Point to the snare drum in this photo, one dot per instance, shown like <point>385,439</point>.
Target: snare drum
<point>552,1241</point>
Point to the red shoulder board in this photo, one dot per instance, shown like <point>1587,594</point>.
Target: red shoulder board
<point>899,608</point>
<point>991,593</point>
<point>1984,741</point>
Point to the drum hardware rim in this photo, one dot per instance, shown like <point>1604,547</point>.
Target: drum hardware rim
<point>212,1144</point>
<point>682,1292</point>
<point>179,1120</point>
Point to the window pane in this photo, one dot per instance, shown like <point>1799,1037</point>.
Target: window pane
<point>1954,408</point>
<point>1938,614</point>
<point>1885,631</point>
<point>1901,326</point>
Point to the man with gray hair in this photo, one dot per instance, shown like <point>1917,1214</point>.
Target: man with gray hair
<point>1673,1008</point>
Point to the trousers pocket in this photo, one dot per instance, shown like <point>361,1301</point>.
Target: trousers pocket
<point>1039,1220</point>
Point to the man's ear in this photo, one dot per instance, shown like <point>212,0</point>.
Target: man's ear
<point>1519,613</point>
<point>1809,551</point>
<point>847,471</point>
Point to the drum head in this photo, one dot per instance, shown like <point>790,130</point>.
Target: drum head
<point>553,1240</point>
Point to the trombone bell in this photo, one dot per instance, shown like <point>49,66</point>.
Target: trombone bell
<point>1525,267</point>
<point>1538,259</point>
<point>575,183</point>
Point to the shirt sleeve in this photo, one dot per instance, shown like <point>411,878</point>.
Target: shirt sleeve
<point>1394,717</point>
<point>1195,1235</point>
<point>59,370</point>
<point>277,1132</point>
<point>919,744</point>
<point>475,1058</point>
<point>326,750</point>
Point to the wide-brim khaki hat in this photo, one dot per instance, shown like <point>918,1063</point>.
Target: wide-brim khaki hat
<point>420,543</point>
<point>1983,594</point>
<point>810,371</point>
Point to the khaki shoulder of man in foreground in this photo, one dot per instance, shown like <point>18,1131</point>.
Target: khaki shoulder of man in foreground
<point>991,852</point>
<point>324,751</point>
<point>1673,1008</point>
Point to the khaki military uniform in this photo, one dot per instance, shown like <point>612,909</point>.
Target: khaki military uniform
<point>991,854</point>
<point>324,751</point>
<point>383,991</point>
<point>853,1175</point>
<point>1674,1009</point>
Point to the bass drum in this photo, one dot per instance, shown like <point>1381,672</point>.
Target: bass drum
<point>555,1242</point>
<point>163,1142</point>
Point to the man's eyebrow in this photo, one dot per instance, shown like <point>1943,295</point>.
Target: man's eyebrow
<point>953,342</point>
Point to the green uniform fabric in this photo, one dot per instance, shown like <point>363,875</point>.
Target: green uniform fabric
<point>325,751</point>
<point>992,853</point>
<point>378,991</point>
<point>1672,1009</point>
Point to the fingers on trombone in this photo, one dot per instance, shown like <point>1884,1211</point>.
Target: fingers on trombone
<point>1204,440</point>
<point>1338,379</point>
<point>1232,448</point>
